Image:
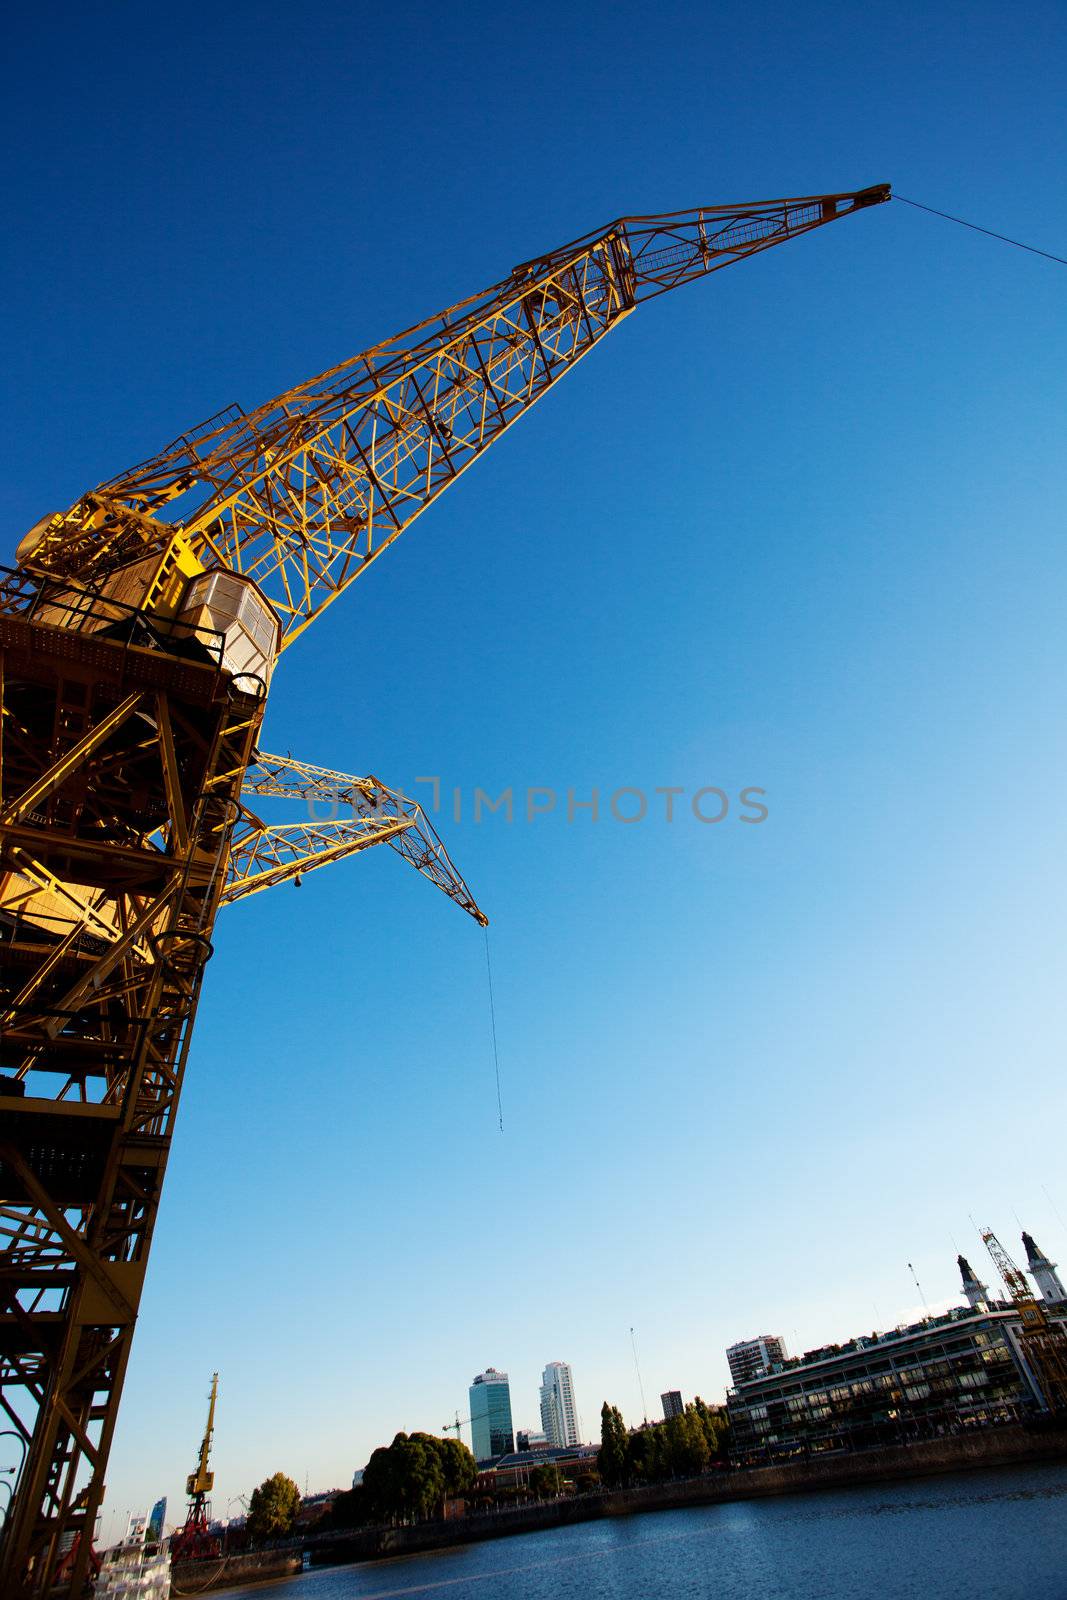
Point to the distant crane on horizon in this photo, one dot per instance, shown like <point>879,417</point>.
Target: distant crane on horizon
<point>194,1538</point>
<point>1043,1341</point>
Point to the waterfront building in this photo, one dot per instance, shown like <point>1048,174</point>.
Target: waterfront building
<point>963,1370</point>
<point>559,1416</point>
<point>977,1294</point>
<point>750,1357</point>
<point>513,1471</point>
<point>672,1404</point>
<point>1043,1271</point>
<point>490,1402</point>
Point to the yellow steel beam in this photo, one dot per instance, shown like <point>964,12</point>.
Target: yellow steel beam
<point>69,762</point>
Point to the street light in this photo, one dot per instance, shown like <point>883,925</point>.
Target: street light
<point>14,1472</point>
<point>10,1497</point>
<point>10,1433</point>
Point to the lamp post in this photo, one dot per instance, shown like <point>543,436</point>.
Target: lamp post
<point>10,1433</point>
<point>9,1473</point>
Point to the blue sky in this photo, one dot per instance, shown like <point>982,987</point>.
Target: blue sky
<point>798,527</point>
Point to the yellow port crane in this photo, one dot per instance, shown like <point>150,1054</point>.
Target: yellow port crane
<point>199,1484</point>
<point>1043,1342</point>
<point>194,1537</point>
<point>138,635</point>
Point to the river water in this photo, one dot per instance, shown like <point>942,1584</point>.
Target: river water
<point>989,1535</point>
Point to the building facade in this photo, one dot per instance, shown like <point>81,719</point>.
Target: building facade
<point>559,1415</point>
<point>750,1357</point>
<point>491,1429</point>
<point>672,1404</point>
<point>949,1373</point>
<point>573,1463</point>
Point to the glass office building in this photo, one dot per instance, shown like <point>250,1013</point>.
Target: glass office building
<point>491,1430</point>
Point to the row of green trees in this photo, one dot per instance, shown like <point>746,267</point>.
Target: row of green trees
<point>681,1447</point>
<point>411,1478</point>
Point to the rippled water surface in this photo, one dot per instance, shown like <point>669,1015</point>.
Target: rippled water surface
<point>997,1535</point>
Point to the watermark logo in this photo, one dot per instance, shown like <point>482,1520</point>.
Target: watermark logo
<point>628,804</point>
<point>665,802</point>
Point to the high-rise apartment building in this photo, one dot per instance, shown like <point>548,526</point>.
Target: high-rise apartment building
<point>751,1357</point>
<point>491,1430</point>
<point>672,1404</point>
<point>559,1417</point>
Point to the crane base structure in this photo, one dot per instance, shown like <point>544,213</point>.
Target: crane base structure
<point>109,902</point>
<point>138,635</point>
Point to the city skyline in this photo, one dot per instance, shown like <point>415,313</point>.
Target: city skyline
<point>908,1318</point>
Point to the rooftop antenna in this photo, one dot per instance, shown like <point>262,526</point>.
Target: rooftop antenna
<point>919,1286</point>
<point>1054,1206</point>
<point>640,1385</point>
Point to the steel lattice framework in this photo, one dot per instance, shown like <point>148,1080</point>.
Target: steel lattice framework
<point>137,638</point>
<point>1044,1343</point>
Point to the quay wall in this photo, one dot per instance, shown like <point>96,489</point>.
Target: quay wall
<point>1007,1446</point>
<point>189,1578</point>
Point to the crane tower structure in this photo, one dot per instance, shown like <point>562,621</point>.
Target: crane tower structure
<point>1043,1342</point>
<point>139,630</point>
<point>194,1537</point>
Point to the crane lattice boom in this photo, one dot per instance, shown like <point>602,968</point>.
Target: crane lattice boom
<point>302,494</point>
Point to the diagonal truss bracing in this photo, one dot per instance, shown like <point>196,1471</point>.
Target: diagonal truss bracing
<point>304,493</point>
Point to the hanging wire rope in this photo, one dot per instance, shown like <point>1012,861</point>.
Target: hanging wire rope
<point>492,1025</point>
<point>1034,251</point>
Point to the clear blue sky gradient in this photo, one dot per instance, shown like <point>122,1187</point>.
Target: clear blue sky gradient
<point>797,527</point>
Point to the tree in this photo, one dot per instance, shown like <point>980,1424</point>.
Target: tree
<point>544,1480</point>
<point>457,1463</point>
<point>410,1478</point>
<point>701,1447</point>
<point>349,1510</point>
<point>715,1425</point>
<point>613,1458</point>
<point>272,1509</point>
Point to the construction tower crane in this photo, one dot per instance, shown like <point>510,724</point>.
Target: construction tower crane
<point>1044,1343</point>
<point>455,1427</point>
<point>138,634</point>
<point>194,1537</point>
